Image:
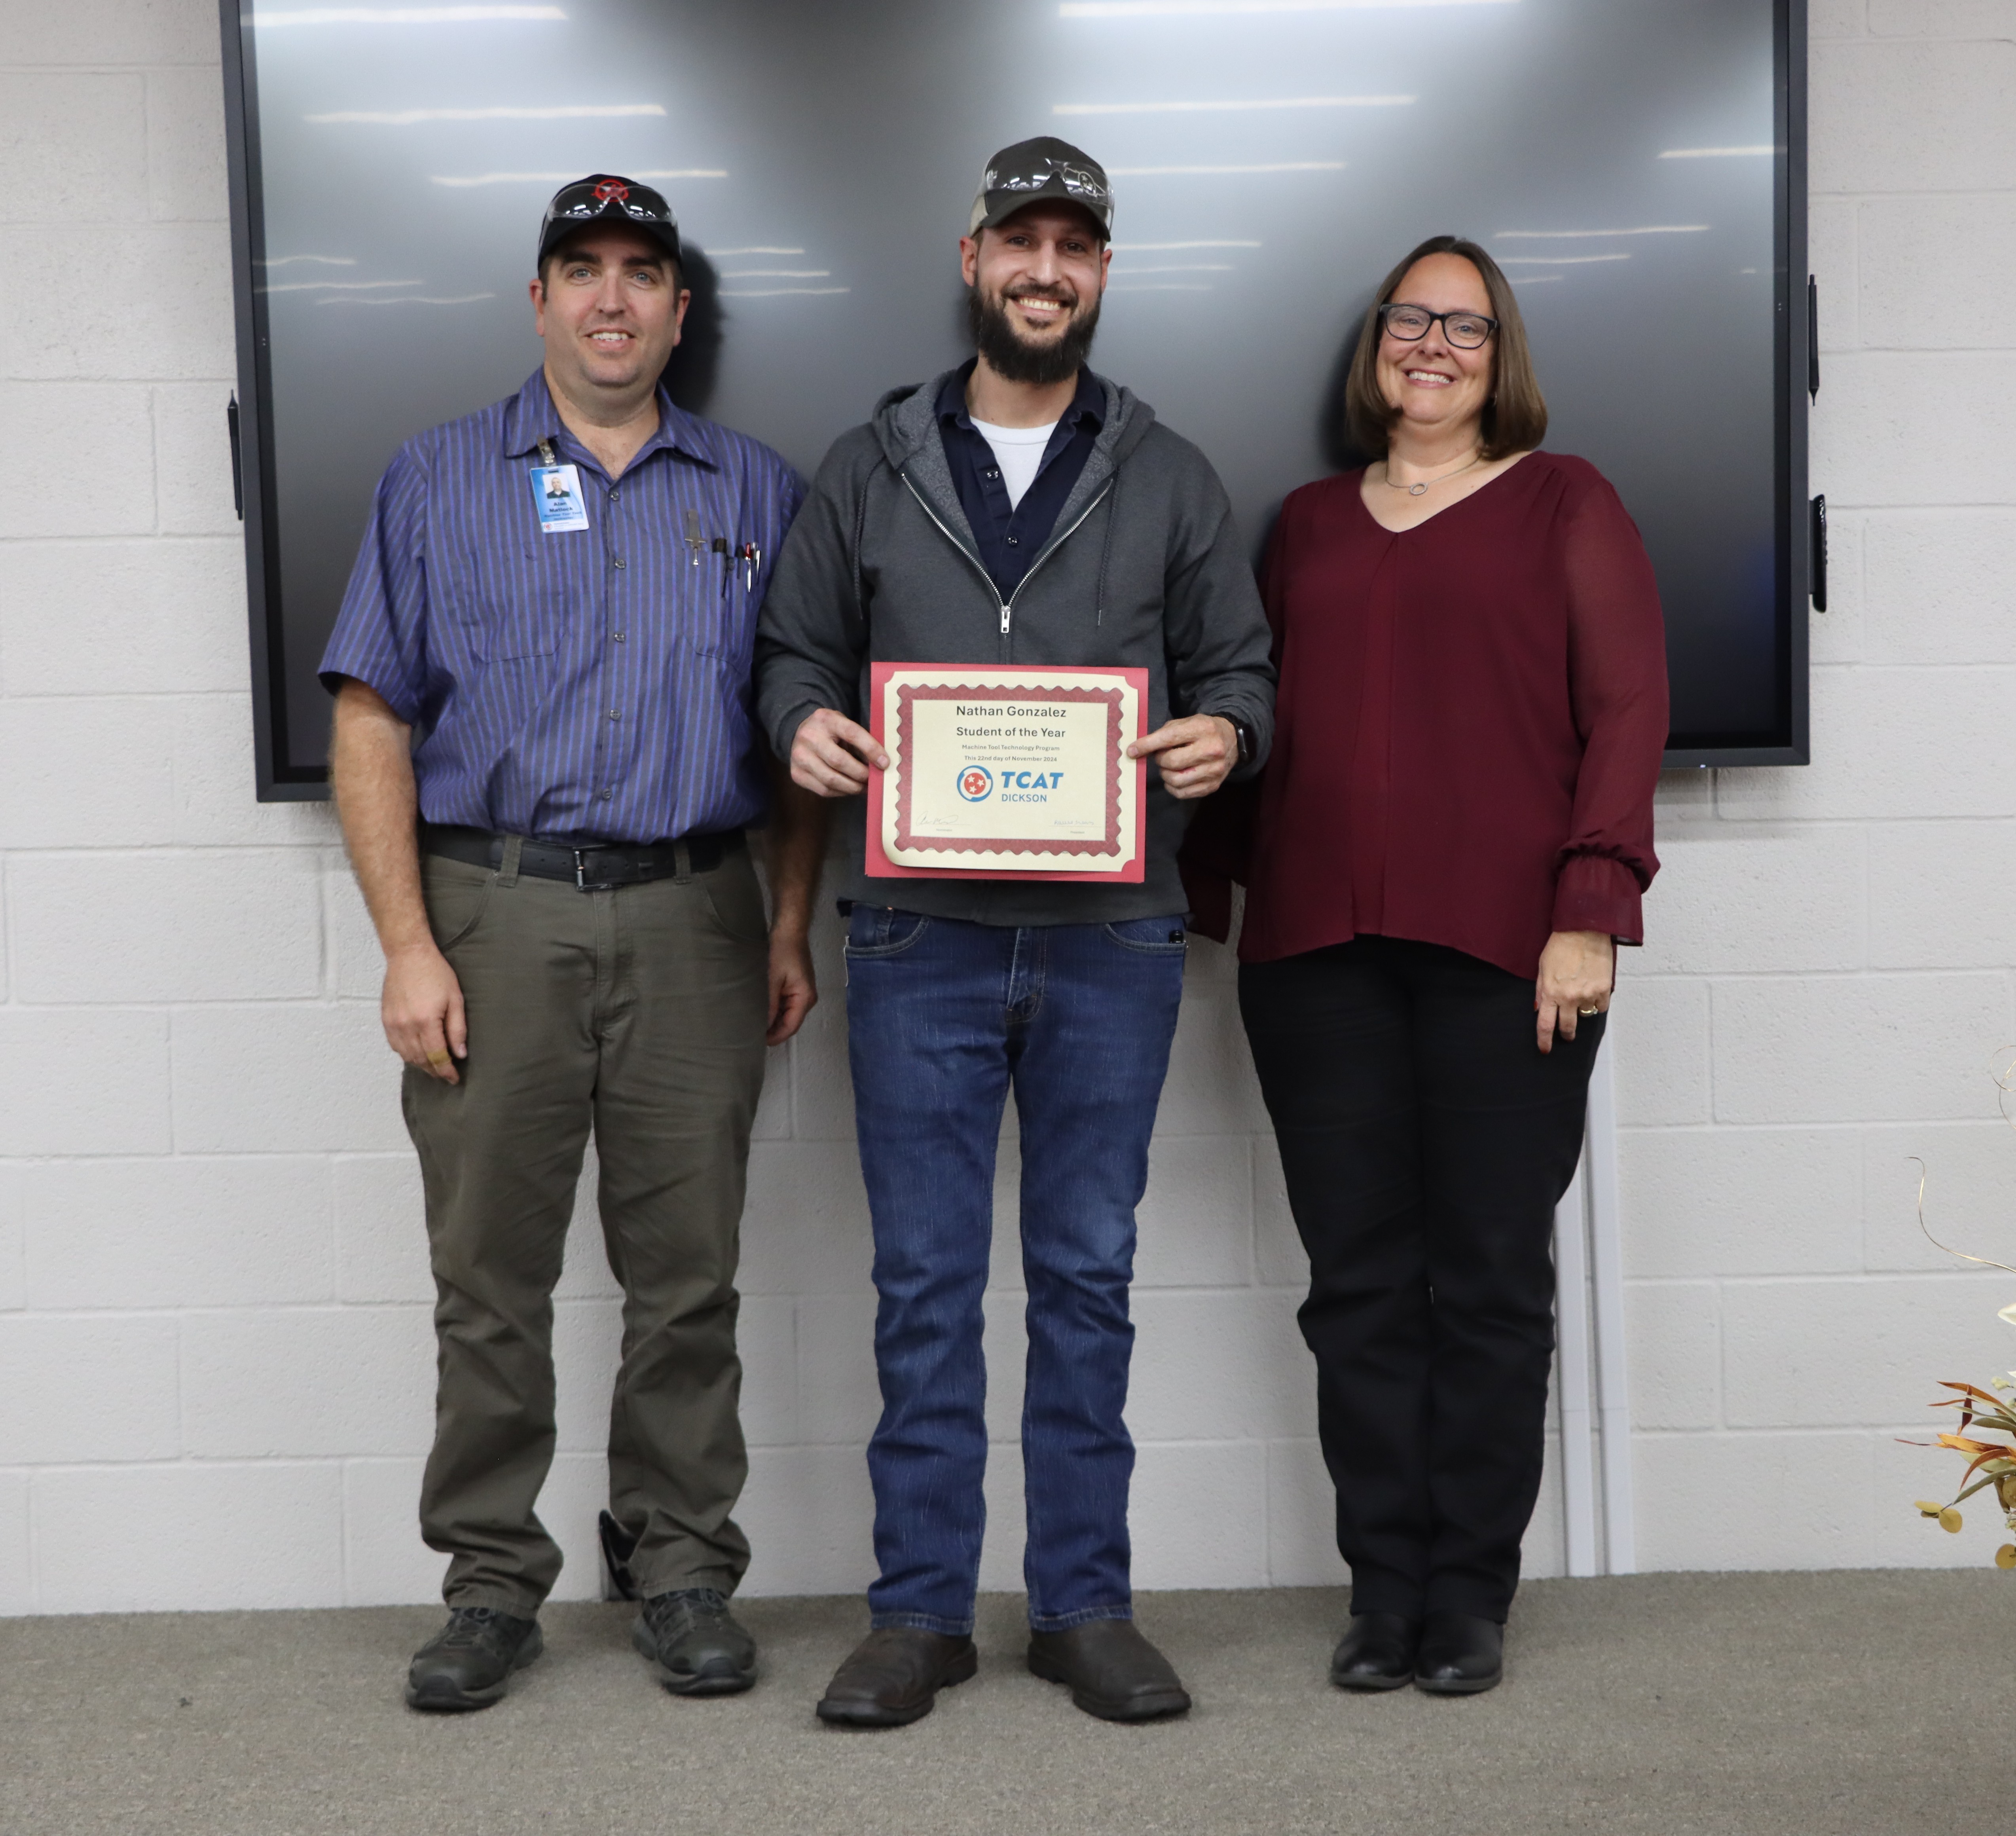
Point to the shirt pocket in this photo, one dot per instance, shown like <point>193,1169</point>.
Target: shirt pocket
<point>712,610</point>
<point>513,603</point>
<point>712,606</point>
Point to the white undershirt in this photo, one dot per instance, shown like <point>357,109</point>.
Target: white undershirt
<point>1019,452</point>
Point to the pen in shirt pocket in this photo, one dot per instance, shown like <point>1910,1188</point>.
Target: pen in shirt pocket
<point>720,547</point>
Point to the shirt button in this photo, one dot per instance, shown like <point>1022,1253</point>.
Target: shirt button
<point>606,794</point>
<point>1014,542</point>
<point>612,498</point>
<point>993,474</point>
<point>614,714</point>
<point>619,637</point>
<point>619,564</point>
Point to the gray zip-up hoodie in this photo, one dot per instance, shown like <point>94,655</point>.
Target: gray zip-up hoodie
<point>1144,570</point>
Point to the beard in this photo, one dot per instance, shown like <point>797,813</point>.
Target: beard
<point>1016,359</point>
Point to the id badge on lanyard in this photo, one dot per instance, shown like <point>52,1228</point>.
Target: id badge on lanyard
<point>556,494</point>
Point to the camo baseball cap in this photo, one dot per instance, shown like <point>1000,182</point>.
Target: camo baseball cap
<point>1043,167</point>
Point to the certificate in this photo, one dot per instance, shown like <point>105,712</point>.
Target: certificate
<point>1006,774</point>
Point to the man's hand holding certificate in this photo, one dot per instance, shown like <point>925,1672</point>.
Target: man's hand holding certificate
<point>1007,773</point>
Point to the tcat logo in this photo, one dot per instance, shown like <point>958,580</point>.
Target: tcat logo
<point>976,784</point>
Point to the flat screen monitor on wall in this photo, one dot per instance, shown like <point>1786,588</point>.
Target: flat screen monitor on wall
<point>1636,167</point>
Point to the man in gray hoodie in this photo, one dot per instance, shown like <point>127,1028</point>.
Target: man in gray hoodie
<point>1019,510</point>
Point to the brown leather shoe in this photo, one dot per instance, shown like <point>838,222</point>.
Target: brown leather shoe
<point>1114,1672</point>
<point>893,1676</point>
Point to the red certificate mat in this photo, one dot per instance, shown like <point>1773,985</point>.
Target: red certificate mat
<point>1007,773</point>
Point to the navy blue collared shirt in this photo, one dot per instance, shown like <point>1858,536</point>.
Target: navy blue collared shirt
<point>1011,537</point>
<point>580,683</point>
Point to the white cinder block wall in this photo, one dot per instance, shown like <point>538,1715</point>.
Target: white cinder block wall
<point>214,1352</point>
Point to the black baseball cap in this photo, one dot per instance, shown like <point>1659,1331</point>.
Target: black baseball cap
<point>605,197</point>
<point>1044,167</point>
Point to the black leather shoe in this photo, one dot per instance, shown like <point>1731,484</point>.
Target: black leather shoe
<point>1460,1654</point>
<point>468,1662</point>
<point>1377,1652</point>
<point>893,1677</point>
<point>1114,1672</point>
<point>695,1643</point>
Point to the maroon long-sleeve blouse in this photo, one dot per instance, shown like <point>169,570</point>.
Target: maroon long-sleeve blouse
<point>1468,729</point>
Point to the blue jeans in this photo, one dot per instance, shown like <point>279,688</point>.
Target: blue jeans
<point>943,1017</point>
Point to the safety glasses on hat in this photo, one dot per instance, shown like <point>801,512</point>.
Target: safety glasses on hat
<point>605,197</point>
<point>1044,167</point>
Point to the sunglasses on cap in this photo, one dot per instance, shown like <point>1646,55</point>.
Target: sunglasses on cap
<point>1044,167</point>
<point>604,197</point>
<point>1077,181</point>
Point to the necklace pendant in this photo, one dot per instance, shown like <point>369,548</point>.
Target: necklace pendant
<point>1417,490</point>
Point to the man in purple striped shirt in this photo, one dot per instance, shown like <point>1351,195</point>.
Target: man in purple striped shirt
<point>545,762</point>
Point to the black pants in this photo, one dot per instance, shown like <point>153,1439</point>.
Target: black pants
<point>1426,1140</point>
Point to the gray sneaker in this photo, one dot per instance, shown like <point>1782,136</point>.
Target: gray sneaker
<point>694,1644</point>
<point>467,1664</point>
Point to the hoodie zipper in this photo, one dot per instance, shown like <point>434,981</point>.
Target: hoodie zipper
<point>1007,605</point>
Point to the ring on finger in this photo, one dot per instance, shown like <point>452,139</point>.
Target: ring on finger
<point>1587,1012</point>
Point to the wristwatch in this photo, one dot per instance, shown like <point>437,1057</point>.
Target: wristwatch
<point>1245,738</point>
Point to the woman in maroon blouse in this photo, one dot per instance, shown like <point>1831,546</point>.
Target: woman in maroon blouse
<point>1452,834</point>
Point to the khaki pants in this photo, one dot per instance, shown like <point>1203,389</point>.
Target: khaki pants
<point>638,1011</point>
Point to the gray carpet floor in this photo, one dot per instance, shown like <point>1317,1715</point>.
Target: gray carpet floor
<point>1833,1704</point>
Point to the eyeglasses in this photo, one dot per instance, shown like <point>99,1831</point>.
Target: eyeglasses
<point>1465,330</point>
<point>1080,181</point>
<point>597,197</point>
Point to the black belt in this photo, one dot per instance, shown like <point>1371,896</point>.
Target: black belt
<point>592,865</point>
